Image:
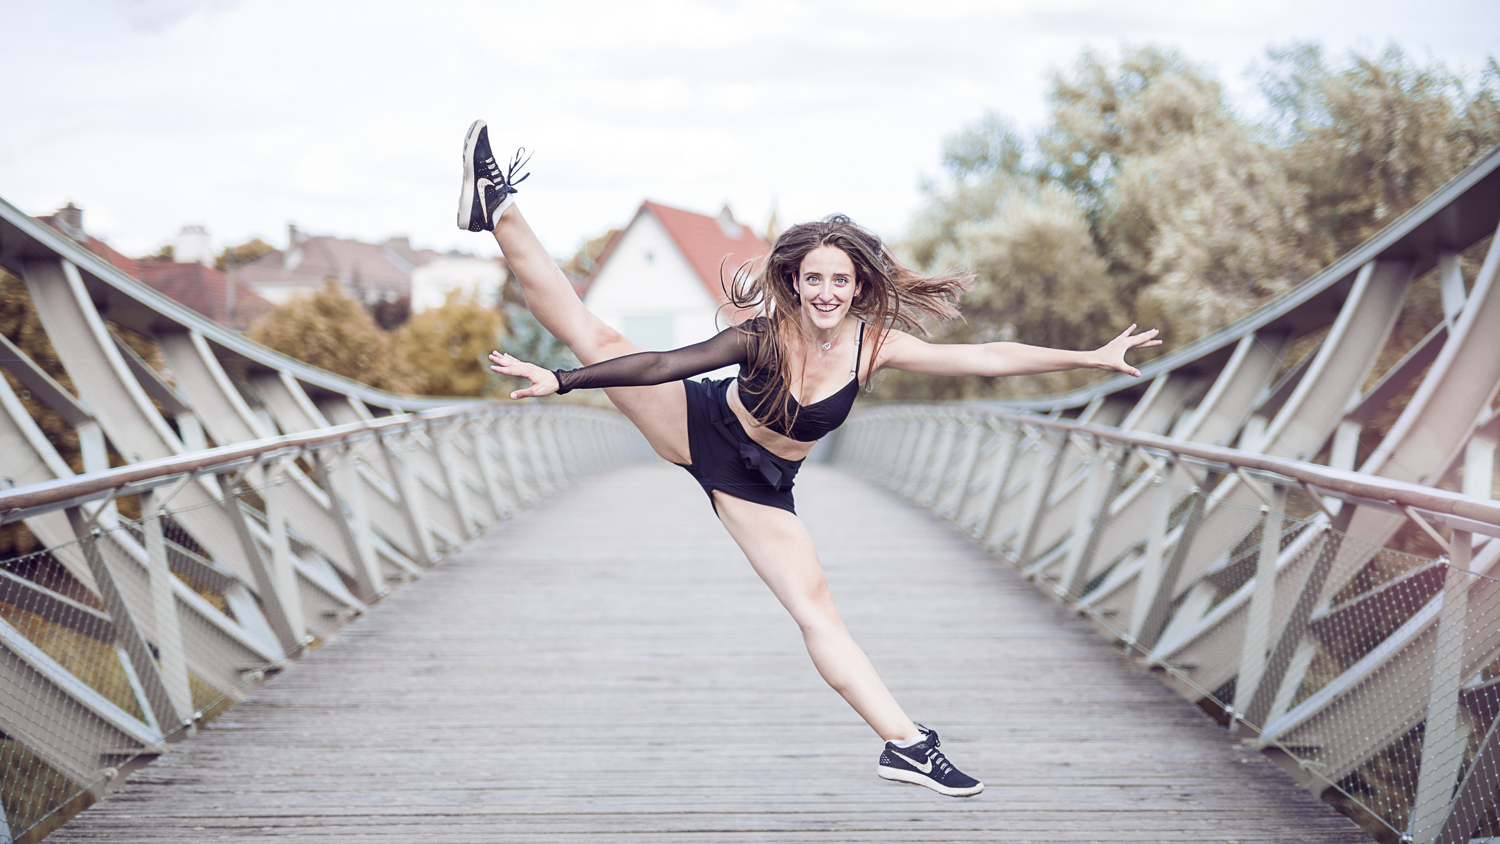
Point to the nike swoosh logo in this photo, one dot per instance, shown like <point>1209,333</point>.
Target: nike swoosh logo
<point>484,183</point>
<point>926,769</point>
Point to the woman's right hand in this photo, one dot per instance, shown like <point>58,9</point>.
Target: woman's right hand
<point>543,381</point>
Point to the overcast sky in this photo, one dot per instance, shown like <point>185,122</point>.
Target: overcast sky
<point>347,117</point>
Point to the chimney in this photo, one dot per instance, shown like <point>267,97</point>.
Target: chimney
<point>70,220</point>
<point>727,224</point>
<point>293,255</point>
<point>193,246</point>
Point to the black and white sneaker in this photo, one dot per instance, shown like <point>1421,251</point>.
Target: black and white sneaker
<point>924,764</point>
<point>487,189</point>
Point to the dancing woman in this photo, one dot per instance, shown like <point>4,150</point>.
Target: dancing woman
<point>833,305</point>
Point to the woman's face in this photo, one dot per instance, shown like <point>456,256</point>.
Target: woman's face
<point>827,286</point>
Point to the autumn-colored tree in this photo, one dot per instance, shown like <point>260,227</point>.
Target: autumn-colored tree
<point>331,331</point>
<point>21,325</point>
<point>243,254</point>
<point>445,348</point>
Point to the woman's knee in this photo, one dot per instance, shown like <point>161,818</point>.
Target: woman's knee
<point>814,610</point>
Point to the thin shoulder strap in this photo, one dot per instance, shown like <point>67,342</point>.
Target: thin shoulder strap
<point>859,345</point>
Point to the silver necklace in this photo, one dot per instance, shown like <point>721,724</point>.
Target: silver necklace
<point>826,346</point>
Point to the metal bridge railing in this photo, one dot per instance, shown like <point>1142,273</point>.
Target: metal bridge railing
<point>1371,675</point>
<point>141,628</point>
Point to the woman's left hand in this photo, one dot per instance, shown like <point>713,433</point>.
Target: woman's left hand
<point>1112,354</point>
<point>543,381</point>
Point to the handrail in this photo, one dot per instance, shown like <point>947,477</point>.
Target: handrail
<point>82,488</point>
<point>1371,489</point>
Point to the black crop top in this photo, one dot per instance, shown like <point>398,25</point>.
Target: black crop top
<point>730,346</point>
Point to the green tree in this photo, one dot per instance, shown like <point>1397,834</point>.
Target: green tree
<point>1369,141</point>
<point>582,261</point>
<point>1194,215</point>
<point>1105,113</point>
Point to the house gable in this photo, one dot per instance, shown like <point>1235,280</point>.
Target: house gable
<point>645,288</point>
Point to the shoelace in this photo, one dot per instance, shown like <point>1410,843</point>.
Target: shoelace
<point>939,760</point>
<point>505,180</point>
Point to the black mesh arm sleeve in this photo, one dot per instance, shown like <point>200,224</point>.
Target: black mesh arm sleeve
<point>646,368</point>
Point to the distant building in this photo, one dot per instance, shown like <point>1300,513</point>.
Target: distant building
<point>372,272</point>
<point>661,280</point>
<point>189,277</point>
<point>478,278</point>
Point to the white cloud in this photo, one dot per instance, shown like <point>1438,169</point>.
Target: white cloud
<point>157,15</point>
<point>346,116</point>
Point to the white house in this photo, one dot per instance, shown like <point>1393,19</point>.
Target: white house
<point>658,281</point>
<point>479,278</point>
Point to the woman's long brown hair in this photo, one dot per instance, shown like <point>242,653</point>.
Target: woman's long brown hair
<point>891,295</point>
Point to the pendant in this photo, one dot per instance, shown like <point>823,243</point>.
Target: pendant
<point>828,345</point>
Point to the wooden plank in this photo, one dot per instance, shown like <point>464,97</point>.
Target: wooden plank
<point>605,666</point>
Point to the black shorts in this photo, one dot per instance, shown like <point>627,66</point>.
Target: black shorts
<point>724,456</point>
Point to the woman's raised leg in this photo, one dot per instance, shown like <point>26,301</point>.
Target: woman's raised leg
<point>660,412</point>
<point>782,553</point>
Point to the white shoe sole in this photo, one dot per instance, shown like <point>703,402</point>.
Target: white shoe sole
<point>466,194</point>
<point>912,778</point>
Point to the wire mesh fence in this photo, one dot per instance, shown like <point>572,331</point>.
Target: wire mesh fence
<point>1371,673</point>
<point>126,628</point>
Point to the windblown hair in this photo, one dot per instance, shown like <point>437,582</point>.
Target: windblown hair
<point>891,295</point>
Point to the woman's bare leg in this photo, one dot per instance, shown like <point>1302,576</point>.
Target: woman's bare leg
<point>660,412</point>
<point>782,553</point>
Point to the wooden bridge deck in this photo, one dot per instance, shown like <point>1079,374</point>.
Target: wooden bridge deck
<point>606,666</point>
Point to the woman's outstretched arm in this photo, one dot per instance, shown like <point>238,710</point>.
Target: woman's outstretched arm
<point>642,369</point>
<point>909,354</point>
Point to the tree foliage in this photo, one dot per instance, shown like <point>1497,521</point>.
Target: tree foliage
<point>581,262</point>
<point>1147,199</point>
<point>243,254</point>
<point>446,347</point>
<point>334,332</point>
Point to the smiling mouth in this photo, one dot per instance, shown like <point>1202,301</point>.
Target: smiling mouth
<point>825,309</point>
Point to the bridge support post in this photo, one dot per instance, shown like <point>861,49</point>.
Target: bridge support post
<point>921,452</point>
<point>454,479</point>
<point>408,487</point>
<point>1154,597</point>
<point>278,610</point>
<point>283,564</point>
<point>169,646</point>
<point>479,436</point>
<point>929,483</point>
<point>1089,521</point>
<point>996,482</point>
<point>1262,605</point>
<point>1477,794</point>
<point>949,501</point>
<point>507,436</point>
<point>128,633</point>
<point>354,527</point>
<point>1044,475</point>
<point>1288,642</point>
<point>1445,737</point>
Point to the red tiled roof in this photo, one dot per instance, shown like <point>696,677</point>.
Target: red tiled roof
<point>354,262</point>
<point>705,244</point>
<point>204,289</point>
